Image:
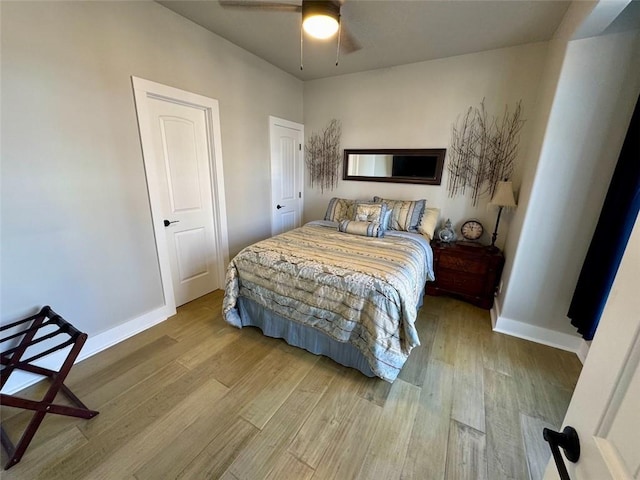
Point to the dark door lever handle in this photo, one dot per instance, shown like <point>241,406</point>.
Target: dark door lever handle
<point>167,222</point>
<point>569,442</point>
<point>279,206</point>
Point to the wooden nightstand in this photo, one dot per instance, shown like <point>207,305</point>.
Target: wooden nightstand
<point>468,271</point>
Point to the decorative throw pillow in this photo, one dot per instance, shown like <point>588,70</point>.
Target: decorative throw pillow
<point>370,212</point>
<point>429,222</point>
<point>340,209</point>
<point>366,229</point>
<point>406,214</point>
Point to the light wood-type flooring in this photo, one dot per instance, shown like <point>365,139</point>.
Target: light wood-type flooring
<point>196,398</point>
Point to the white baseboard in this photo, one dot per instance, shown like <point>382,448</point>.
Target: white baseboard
<point>495,313</point>
<point>544,336</point>
<point>20,380</point>
<point>583,351</point>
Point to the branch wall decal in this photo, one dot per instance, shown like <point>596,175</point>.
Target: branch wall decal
<point>323,156</point>
<point>483,151</point>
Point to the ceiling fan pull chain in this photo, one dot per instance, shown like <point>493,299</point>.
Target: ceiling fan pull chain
<point>301,44</point>
<point>338,49</point>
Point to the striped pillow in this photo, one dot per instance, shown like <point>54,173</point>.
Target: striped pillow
<point>366,229</point>
<point>340,209</point>
<point>406,214</point>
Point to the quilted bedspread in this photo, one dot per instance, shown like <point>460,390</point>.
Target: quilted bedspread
<point>356,289</point>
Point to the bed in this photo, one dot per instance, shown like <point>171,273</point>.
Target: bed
<point>350,297</point>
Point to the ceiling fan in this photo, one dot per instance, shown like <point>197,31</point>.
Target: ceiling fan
<point>320,19</point>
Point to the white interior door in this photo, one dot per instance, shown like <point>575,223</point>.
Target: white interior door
<point>605,407</point>
<point>286,140</point>
<point>181,145</point>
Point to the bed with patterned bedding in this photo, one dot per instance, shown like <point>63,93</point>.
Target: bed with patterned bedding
<point>357,291</point>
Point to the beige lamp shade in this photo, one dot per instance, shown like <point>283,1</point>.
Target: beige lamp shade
<point>504,195</point>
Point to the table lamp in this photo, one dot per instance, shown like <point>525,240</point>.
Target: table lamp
<point>503,197</point>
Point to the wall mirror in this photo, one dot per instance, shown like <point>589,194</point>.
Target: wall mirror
<point>395,165</point>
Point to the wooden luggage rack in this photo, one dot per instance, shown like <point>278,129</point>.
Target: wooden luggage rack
<point>12,359</point>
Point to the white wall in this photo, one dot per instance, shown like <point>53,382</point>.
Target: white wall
<point>414,106</point>
<point>76,225</point>
<point>597,89</point>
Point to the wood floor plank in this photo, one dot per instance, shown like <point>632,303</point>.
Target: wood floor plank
<point>548,361</point>
<point>466,453</point>
<point>214,460</point>
<point>445,342</point>
<point>495,354</point>
<point>122,373</point>
<point>343,458</point>
<point>232,362</point>
<point>159,436</point>
<point>320,429</point>
<point>468,385</point>
<point>375,390</point>
<point>390,440</point>
<point>114,410</point>
<point>536,396</point>
<point>199,316</point>
<point>536,448</point>
<point>262,453</point>
<point>217,421</point>
<point>228,476</point>
<point>87,369</point>
<point>208,346</point>
<point>427,451</point>
<point>78,463</point>
<point>31,463</point>
<point>505,447</point>
<point>297,364</point>
<point>288,466</point>
<point>413,369</point>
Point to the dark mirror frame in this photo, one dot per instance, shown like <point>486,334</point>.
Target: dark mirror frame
<point>435,155</point>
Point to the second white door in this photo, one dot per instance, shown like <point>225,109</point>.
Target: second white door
<point>286,174</point>
<point>179,134</point>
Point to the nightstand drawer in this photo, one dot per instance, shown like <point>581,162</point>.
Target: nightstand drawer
<point>463,263</point>
<point>470,272</point>
<point>455,281</point>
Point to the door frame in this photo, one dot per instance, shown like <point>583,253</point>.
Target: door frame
<point>273,122</point>
<point>143,90</point>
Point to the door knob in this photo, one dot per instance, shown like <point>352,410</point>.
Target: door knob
<point>279,206</point>
<point>569,442</point>
<point>167,222</point>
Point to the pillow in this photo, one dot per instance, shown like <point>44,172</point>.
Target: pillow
<point>386,219</point>
<point>406,214</point>
<point>366,229</point>
<point>370,212</point>
<point>340,209</point>
<point>429,222</point>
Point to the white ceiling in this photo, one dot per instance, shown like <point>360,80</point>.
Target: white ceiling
<point>391,32</point>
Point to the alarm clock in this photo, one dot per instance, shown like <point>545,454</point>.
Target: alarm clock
<point>472,230</point>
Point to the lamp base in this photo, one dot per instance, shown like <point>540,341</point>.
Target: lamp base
<point>495,232</point>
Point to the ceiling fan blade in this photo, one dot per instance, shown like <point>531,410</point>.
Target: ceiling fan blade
<point>348,43</point>
<point>259,5</point>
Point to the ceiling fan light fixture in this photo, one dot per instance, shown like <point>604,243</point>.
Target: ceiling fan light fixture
<point>320,19</point>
